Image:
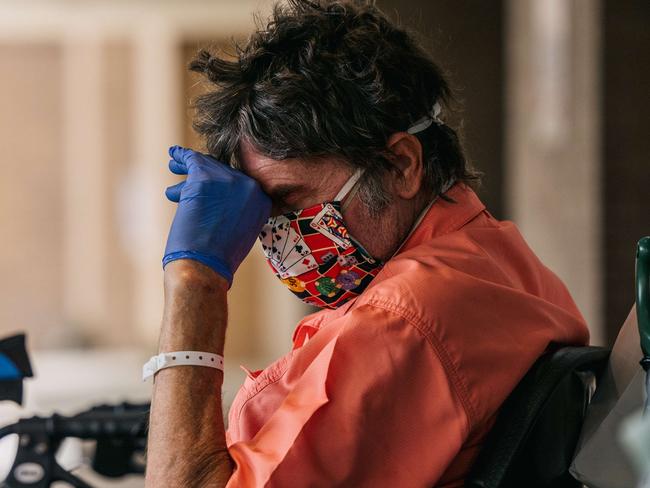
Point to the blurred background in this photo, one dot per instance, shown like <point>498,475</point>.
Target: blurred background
<point>556,102</point>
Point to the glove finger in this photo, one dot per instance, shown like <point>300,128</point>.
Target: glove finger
<point>179,153</point>
<point>187,157</point>
<point>177,168</point>
<point>192,160</point>
<point>173,192</point>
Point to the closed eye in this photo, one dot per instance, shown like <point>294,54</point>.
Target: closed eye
<point>285,197</point>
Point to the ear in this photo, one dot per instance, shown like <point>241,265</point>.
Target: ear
<point>405,152</point>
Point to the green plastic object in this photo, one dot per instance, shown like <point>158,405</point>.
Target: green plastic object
<point>643,293</point>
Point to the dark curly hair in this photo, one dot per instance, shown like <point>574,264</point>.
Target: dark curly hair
<point>329,78</point>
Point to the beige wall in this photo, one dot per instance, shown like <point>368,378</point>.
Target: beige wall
<point>31,190</point>
<point>553,165</point>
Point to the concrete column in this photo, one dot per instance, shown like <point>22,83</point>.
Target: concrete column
<point>146,215</point>
<point>552,143</point>
<point>85,212</point>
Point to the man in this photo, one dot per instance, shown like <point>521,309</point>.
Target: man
<point>327,139</point>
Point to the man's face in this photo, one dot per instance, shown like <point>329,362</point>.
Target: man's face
<point>295,184</point>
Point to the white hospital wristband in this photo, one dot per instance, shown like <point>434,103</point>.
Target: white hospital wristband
<point>181,358</point>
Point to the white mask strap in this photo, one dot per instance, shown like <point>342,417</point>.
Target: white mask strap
<point>427,120</point>
<point>348,185</point>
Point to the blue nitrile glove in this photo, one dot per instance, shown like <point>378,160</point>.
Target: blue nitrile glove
<point>220,212</point>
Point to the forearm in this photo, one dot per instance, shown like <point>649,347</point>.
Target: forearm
<point>187,445</point>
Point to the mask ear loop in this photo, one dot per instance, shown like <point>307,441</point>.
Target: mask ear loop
<point>349,189</point>
<point>346,193</point>
<point>426,121</point>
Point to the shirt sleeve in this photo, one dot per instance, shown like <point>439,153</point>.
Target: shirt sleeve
<point>380,406</point>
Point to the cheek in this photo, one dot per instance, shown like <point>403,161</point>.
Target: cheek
<point>356,222</point>
<point>376,233</point>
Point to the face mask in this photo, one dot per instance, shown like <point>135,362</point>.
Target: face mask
<point>312,253</point>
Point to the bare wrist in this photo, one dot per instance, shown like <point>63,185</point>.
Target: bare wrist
<point>195,315</point>
<point>188,273</point>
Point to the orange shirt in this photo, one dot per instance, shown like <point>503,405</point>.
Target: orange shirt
<point>399,386</point>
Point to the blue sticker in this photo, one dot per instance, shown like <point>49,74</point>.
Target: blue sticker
<point>8,370</point>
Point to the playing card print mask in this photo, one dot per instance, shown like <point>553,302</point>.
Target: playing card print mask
<point>312,253</point>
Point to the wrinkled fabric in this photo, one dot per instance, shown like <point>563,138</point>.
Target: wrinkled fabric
<point>400,385</point>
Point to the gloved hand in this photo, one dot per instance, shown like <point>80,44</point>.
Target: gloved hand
<point>220,212</point>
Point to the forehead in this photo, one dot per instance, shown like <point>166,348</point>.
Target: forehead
<point>272,173</point>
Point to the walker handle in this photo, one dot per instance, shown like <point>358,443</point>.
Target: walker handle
<point>643,294</point>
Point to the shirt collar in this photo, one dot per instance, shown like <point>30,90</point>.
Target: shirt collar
<point>442,218</point>
<point>446,216</point>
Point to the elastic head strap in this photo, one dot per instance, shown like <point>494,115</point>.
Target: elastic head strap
<point>426,121</point>
<point>346,190</point>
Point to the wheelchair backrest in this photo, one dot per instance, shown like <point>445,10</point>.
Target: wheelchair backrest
<point>534,437</point>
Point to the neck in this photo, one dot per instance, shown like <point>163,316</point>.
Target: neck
<point>404,222</point>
